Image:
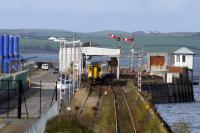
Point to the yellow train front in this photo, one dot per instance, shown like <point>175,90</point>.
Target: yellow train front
<point>95,74</point>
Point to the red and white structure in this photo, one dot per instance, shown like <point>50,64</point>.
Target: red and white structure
<point>129,39</point>
<point>117,37</point>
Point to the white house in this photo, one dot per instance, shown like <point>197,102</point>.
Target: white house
<point>183,57</point>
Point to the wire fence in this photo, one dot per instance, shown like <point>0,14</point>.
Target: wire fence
<point>19,100</point>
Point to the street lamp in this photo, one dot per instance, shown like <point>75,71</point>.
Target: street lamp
<point>62,43</point>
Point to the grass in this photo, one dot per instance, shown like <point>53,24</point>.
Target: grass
<point>148,42</point>
<point>181,127</point>
<point>38,40</point>
<point>124,121</point>
<point>146,121</point>
<point>69,123</point>
<point>106,121</point>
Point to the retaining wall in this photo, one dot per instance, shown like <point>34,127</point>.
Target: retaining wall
<point>169,92</point>
<point>40,125</point>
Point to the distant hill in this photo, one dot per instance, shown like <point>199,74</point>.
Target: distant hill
<point>196,35</point>
<point>106,32</point>
<point>41,33</point>
<point>37,39</point>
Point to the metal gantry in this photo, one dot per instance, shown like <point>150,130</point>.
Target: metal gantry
<point>138,54</point>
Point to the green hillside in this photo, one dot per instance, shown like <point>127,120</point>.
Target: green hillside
<point>37,39</point>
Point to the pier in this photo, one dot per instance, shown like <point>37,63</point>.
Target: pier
<point>78,90</point>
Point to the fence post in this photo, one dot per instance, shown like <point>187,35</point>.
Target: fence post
<point>19,99</point>
<point>8,100</point>
<point>40,98</point>
<point>56,91</point>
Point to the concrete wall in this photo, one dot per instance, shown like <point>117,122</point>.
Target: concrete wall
<point>188,61</point>
<point>40,125</point>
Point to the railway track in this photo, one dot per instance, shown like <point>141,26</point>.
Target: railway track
<point>92,100</point>
<point>124,120</point>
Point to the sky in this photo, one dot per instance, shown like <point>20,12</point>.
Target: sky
<point>98,15</point>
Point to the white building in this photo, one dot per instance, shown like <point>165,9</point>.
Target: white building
<point>183,57</point>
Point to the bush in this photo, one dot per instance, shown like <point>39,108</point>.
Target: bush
<point>181,127</point>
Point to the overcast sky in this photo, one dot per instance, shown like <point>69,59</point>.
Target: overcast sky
<point>95,15</point>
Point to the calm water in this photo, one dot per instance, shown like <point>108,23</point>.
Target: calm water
<point>172,113</point>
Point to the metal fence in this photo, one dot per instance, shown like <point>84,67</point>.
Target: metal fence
<point>40,97</point>
<point>11,97</point>
<point>18,100</point>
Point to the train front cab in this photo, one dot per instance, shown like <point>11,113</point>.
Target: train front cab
<point>95,73</point>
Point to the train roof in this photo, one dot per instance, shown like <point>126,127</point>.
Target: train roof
<point>97,62</point>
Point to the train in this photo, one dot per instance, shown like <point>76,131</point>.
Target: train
<point>98,73</point>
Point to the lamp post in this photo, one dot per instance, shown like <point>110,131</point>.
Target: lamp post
<point>86,61</point>
<point>62,43</point>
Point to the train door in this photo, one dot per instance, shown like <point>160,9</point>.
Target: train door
<point>95,75</point>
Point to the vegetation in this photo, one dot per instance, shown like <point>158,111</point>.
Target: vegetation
<point>164,42</point>
<point>70,123</point>
<point>106,120</point>
<point>145,119</point>
<point>181,127</point>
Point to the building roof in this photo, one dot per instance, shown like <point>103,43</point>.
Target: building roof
<point>183,50</point>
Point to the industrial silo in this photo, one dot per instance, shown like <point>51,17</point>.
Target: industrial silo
<point>16,46</point>
<point>64,61</point>
<point>60,60</point>
<point>16,53</point>
<point>6,46</point>
<point>6,65</point>
<point>11,53</point>
<point>5,54</point>
<point>11,45</point>
<point>1,52</point>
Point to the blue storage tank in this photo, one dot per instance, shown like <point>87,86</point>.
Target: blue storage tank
<point>6,46</point>
<point>16,64</point>
<point>1,65</point>
<point>11,45</point>
<point>1,45</point>
<point>6,65</point>
<point>11,65</point>
<point>1,53</point>
<point>16,46</point>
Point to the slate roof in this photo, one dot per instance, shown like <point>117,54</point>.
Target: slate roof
<point>183,50</point>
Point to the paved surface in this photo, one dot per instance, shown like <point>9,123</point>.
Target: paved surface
<point>20,125</point>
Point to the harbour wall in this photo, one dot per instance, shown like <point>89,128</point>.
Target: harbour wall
<point>169,92</point>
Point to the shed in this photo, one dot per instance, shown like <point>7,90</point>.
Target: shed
<point>183,57</point>
<point>157,62</point>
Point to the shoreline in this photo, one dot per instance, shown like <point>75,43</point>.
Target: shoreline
<point>38,52</point>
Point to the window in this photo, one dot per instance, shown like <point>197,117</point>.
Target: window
<point>177,58</point>
<point>183,58</point>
